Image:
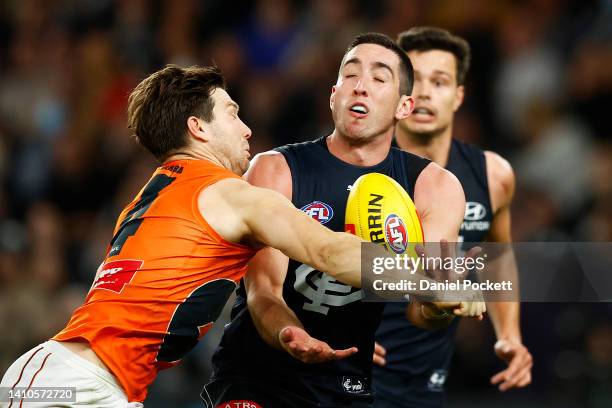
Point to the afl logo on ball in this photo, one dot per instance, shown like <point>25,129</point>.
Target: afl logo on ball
<point>395,233</point>
<point>319,211</point>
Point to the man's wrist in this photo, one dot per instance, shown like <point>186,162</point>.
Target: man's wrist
<point>429,313</point>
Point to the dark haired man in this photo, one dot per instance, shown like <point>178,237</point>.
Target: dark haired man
<point>412,363</point>
<point>262,358</point>
<point>177,251</point>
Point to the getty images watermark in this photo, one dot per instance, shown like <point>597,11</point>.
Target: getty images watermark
<point>453,267</point>
<point>520,271</point>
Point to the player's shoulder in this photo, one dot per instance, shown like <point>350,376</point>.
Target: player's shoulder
<point>499,170</point>
<point>270,170</point>
<point>396,151</point>
<point>438,177</point>
<point>469,150</point>
<point>300,147</point>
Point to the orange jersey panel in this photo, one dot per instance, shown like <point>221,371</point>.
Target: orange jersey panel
<point>165,279</point>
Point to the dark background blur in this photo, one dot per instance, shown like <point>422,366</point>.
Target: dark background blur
<point>539,92</point>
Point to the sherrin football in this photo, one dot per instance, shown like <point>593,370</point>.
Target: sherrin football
<point>380,210</point>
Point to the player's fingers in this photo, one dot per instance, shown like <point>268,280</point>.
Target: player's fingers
<point>498,378</point>
<point>525,381</point>
<point>506,376</point>
<point>444,249</point>
<point>285,335</point>
<point>379,350</point>
<point>514,381</point>
<point>340,354</point>
<point>378,360</point>
<point>460,309</point>
<point>473,252</point>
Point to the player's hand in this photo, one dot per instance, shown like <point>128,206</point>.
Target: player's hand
<point>520,362</point>
<point>474,306</point>
<point>378,357</point>
<point>475,309</point>
<point>299,344</point>
<point>441,310</point>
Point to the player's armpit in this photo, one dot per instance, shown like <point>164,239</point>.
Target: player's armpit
<point>270,170</point>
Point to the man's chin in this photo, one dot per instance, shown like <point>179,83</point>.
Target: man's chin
<point>424,131</point>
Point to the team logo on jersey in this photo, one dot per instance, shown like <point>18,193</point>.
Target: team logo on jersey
<point>319,211</point>
<point>474,211</point>
<point>322,291</point>
<point>396,234</point>
<point>472,220</point>
<point>238,404</point>
<point>354,385</point>
<point>115,275</point>
<point>437,380</point>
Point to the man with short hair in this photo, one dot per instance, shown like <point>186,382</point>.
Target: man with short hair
<point>177,251</point>
<point>411,362</point>
<point>263,355</point>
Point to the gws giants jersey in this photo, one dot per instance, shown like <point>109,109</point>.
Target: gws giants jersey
<point>166,278</point>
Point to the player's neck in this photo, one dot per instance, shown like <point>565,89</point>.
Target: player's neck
<point>434,147</point>
<point>194,155</point>
<point>365,154</point>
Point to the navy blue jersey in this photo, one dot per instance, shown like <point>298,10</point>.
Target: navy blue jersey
<point>418,360</point>
<point>329,310</point>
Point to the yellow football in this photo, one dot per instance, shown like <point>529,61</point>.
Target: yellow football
<point>380,210</point>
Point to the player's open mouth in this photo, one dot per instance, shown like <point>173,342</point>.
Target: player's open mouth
<point>359,109</point>
<point>423,113</point>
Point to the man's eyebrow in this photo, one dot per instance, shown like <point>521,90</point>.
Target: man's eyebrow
<point>376,64</point>
<point>436,72</point>
<point>353,60</point>
<point>233,104</point>
<point>379,64</point>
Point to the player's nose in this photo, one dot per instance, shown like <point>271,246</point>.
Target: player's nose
<point>246,132</point>
<point>421,91</point>
<point>359,89</point>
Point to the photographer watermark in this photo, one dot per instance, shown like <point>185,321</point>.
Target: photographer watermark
<point>526,271</point>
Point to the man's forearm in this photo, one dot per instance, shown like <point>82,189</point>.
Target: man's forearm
<point>424,317</point>
<point>270,315</point>
<point>505,317</point>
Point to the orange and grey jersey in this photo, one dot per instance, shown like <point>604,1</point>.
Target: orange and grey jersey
<point>165,279</point>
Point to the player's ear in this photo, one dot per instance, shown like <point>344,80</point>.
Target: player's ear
<point>404,107</point>
<point>332,97</point>
<point>459,95</point>
<point>198,129</point>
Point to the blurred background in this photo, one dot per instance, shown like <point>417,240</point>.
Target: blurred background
<point>539,92</point>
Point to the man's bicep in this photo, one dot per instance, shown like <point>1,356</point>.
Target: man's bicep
<point>440,200</point>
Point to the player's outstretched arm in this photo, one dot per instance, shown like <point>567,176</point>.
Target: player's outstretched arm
<point>505,316</point>
<point>440,200</point>
<point>274,320</point>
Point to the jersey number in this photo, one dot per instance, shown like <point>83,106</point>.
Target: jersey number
<point>131,222</point>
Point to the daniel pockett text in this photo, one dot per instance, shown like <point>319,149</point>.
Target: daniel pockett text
<point>454,270</point>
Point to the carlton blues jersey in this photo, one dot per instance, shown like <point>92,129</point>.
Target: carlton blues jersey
<point>329,310</point>
<point>165,279</point>
<point>417,360</point>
